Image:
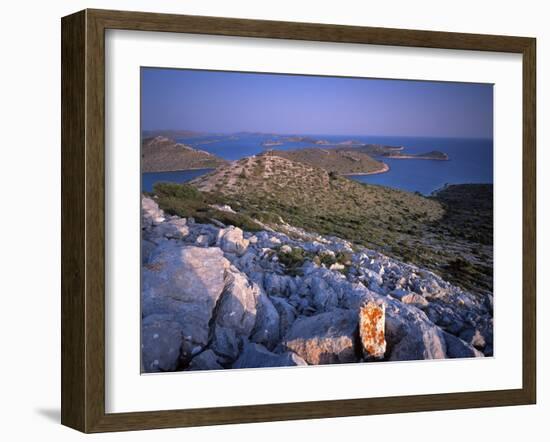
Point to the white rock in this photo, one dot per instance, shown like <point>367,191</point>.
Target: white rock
<point>237,306</point>
<point>150,212</point>
<point>232,241</point>
<point>414,299</point>
<point>184,281</point>
<point>326,338</point>
<point>286,249</point>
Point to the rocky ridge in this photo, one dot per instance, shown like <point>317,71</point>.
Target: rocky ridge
<point>215,297</point>
<point>161,154</point>
<point>344,162</point>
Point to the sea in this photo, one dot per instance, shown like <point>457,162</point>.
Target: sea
<point>470,160</point>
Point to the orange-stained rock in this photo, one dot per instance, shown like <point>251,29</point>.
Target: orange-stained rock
<point>371,330</point>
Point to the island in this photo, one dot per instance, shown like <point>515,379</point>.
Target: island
<point>173,133</point>
<point>163,154</point>
<point>344,162</point>
<point>433,155</point>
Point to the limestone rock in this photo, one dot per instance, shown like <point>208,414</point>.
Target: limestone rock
<point>422,341</point>
<point>286,249</point>
<point>287,313</point>
<point>161,339</point>
<point>457,348</point>
<point>237,305</point>
<point>147,248</point>
<point>415,299</point>
<point>256,356</point>
<point>186,282</point>
<point>474,338</point>
<point>326,338</point>
<point>372,330</point>
<point>207,360</point>
<point>400,293</point>
<point>225,344</point>
<point>266,329</point>
<point>150,213</point>
<point>232,241</point>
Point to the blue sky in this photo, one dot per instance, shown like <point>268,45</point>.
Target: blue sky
<point>217,101</point>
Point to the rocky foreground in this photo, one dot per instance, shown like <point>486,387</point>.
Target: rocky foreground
<point>215,297</point>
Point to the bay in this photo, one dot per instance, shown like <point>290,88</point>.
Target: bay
<point>470,160</point>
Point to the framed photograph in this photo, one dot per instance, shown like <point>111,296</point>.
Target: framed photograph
<point>267,220</point>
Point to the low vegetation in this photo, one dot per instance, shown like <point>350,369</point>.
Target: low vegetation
<point>449,233</point>
<point>159,154</point>
<point>186,201</point>
<point>336,160</point>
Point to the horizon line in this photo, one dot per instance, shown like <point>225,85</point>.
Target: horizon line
<point>316,134</point>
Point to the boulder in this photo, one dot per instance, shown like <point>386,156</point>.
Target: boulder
<point>184,281</point>
<point>207,360</point>
<point>286,249</point>
<point>203,240</point>
<point>150,213</point>
<point>287,313</point>
<point>236,308</point>
<point>326,338</point>
<point>323,296</point>
<point>161,339</point>
<point>415,299</point>
<point>457,348</point>
<point>169,231</point>
<point>399,293</point>
<point>473,337</point>
<point>266,328</point>
<point>372,330</point>
<point>275,284</point>
<point>225,343</point>
<point>232,241</point>
<point>147,248</point>
<point>420,341</point>
<point>257,356</point>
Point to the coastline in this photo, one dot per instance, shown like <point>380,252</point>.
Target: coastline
<point>413,157</point>
<point>384,169</point>
<point>179,170</point>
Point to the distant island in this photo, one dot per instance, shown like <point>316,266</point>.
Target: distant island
<point>344,162</point>
<point>173,133</point>
<point>162,154</point>
<point>433,155</point>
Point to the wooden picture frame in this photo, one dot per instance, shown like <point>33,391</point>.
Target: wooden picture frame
<point>83,220</point>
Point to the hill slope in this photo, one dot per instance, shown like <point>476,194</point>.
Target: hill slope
<point>314,199</point>
<point>160,154</point>
<point>342,161</point>
<point>432,232</point>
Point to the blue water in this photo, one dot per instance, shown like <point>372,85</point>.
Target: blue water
<point>148,179</point>
<point>470,160</point>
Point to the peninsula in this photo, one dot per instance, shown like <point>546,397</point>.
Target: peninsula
<point>343,162</point>
<point>433,155</point>
<point>162,154</point>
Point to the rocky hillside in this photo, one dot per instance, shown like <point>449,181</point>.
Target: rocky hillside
<point>403,225</point>
<point>160,154</point>
<point>344,162</point>
<point>215,296</point>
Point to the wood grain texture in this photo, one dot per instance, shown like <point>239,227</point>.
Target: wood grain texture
<point>73,255</point>
<point>83,220</point>
<point>529,221</point>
